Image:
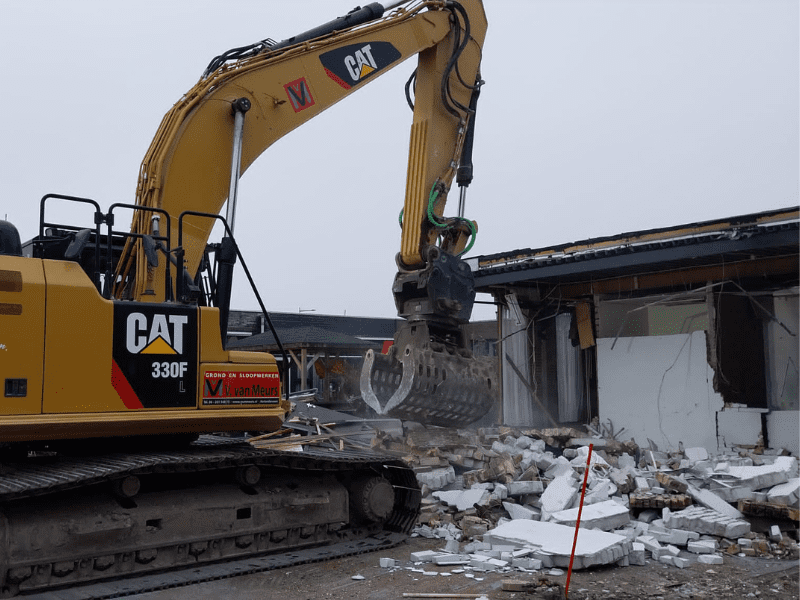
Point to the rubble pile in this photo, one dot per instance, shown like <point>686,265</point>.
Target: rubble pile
<point>506,499</point>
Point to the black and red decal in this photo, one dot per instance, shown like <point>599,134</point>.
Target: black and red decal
<point>155,355</point>
<point>350,65</point>
<point>299,94</point>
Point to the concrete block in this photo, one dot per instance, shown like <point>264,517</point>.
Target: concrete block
<point>388,563</point>
<point>452,546</point>
<point>463,499</point>
<point>520,488</point>
<point>732,493</point>
<point>561,468</point>
<point>626,461</point>
<point>775,533</point>
<point>477,547</point>
<point>504,547</point>
<point>637,556</point>
<point>515,511</point>
<point>705,520</point>
<point>641,483</point>
<point>679,562</point>
<point>678,537</point>
<point>710,559</point>
<point>559,494</point>
<point>451,559</point>
<point>647,516</point>
<point>673,484</point>
<point>605,516</point>
<point>673,550</point>
<point>524,442</point>
<point>785,493</point>
<point>530,564</point>
<point>500,491</point>
<point>651,544</point>
<point>424,556</point>
<point>436,479</point>
<point>702,547</point>
<point>486,563</point>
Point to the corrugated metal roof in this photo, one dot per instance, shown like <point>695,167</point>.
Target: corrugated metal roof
<point>772,233</point>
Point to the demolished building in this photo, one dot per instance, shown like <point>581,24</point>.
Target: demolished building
<point>682,335</point>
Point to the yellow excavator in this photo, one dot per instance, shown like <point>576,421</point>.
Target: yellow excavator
<point>112,343</point>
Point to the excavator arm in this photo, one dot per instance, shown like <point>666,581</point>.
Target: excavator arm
<point>276,87</point>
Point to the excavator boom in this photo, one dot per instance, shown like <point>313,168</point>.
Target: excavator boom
<point>286,84</point>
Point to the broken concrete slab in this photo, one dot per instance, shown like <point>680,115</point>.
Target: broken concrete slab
<point>559,494</point>
<point>486,563</point>
<point>785,493</point>
<point>555,542</point>
<point>705,520</point>
<point>605,516</point>
<point>710,500</point>
<point>463,499</point>
<point>424,556</point>
<point>516,511</point>
<point>520,488</point>
<point>766,475</point>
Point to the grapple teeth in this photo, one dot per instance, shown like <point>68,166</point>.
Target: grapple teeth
<point>429,386</point>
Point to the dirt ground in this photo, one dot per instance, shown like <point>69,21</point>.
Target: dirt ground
<point>738,578</point>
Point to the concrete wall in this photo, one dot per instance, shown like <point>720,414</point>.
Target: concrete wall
<point>782,353</point>
<point>783,427</point>
<point>658,387</point>
<point>517,399</point>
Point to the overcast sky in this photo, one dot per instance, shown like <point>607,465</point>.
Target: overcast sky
<point>597,118</point>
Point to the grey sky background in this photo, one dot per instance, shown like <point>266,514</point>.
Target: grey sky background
<point>597,118</point>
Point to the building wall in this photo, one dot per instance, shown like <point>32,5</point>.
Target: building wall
<point>661,387</point>
<point>658,388</point>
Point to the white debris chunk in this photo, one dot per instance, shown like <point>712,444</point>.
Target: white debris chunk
<point>521,488</point>
<point>437,478</point>
<point>704,520</point>
<point>555,542</point>
<point>517,511</point>
<point>786,493</point>
<point>710,500</point>
<point>605,516</point>
<point>710,559</point>
<point>463,499</point>
<point>696,454</point>
<point>766,475</point>
<point>702,547</point>
<point>559,494</point>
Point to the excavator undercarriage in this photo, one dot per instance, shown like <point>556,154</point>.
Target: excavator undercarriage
<point>76,519</point>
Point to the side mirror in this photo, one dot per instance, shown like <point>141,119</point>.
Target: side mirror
<point>76,246</point>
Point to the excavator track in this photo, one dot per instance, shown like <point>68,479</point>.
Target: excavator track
<point>74,524</point>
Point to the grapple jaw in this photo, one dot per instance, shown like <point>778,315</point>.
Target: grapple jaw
<point>429,383</point>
